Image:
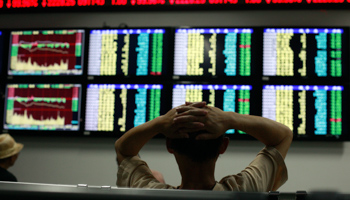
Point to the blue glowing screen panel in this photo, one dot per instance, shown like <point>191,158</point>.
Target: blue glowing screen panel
<point>305,52</point>
<point>311,111</point>
<point>128,52</point>
<point>235,98</point>
<point>119,107</point>
<point>214,52</point>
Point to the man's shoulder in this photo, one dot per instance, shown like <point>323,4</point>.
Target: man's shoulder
<point>6,175</point>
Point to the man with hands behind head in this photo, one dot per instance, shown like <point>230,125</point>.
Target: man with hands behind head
<point>195,135</point>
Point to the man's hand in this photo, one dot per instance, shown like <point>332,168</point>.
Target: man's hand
<point>215,122</point>
<point>180,130</point>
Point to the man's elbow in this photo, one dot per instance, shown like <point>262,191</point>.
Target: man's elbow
<point>289,135</point>
<point>116,146</point>
<point>120,157</point>
<point>285,143</point>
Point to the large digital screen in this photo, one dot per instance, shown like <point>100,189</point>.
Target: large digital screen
<point>234,98</point>
<point>119,107</point>
<point>305,52</point>
<point>214,52</point>
<point>46,52</point>
<point>16,6</point>
<point>128,52</point>
<point>310,111</point>
<point>52,107</point>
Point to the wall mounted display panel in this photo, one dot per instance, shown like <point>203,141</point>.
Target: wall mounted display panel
<point>305,52</point>
<point>14,6</point>
<point>313,112</point>
<point>235,98</point>
<point>129,52</point>
<point>119,107</point>
<point>46,52</point>
<point>214,52</point>
<point>49,107</point>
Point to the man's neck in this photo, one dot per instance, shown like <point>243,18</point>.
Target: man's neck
<point>197,176</point>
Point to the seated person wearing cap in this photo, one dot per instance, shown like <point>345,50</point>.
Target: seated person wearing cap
<point>195,135</point>
<point>9,151</point>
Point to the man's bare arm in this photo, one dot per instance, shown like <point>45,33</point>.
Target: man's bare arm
<point>269,132</point>
<point>217,122</point>
<point>133,140</point>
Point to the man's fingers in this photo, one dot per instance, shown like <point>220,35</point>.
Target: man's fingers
<point>188,118</point>
<point>185,110</point>
<point>197,104</point>
<point>188,124</point>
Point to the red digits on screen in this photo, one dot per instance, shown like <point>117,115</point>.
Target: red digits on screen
<point>150,2</point>
<point>139,2</point>
<point>190,2</point>
<point>20,3</point>
<point>59,3</point>
<point>119,2</point>
<point>91,2</point>
<point>223,1</point>
<point>326,1</point>
<point>285,1</point>
<point>253,1</point>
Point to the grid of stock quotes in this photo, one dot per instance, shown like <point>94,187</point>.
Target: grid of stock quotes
<point>213,52</point>
<point>127,52</point>
<point>303,52</point>
<point>42,107</point>
<point>46,52</point>
<point>235,98</point>
<point>309,110</point>
<point>119,107</point>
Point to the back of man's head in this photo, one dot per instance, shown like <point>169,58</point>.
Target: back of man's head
<point>197,150</point>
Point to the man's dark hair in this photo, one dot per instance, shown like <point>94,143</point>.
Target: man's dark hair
<point>197,150</point>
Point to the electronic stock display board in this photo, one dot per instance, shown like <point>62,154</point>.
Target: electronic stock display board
<point>42,107</point>
<point>17,6</point>
<point>296,76</point>
<point>310,111</point>
<point>129,52</point>
<point>46,52</point>
<point>305,53</point>
<point>214,52</point>
<point>115,108</point>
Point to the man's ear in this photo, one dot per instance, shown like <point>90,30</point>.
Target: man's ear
<point>224,145</point>
<point>13,159</point>
<point>168,142</point>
